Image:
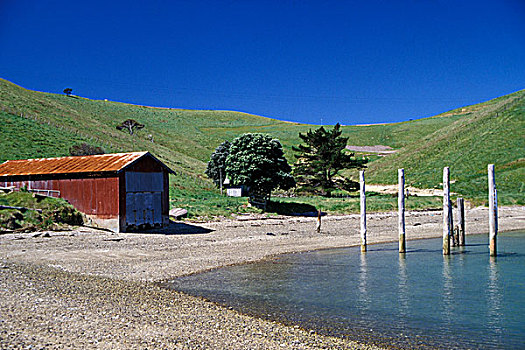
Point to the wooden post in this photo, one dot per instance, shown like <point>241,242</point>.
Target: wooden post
<point>461,221</point>
<point>446,211</point>
<point>318,228</point>
<point>363,209</point>
<point>451,218</point>
<point>493,212</point>
<point>401,209</point>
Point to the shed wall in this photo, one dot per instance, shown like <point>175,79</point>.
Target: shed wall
<point>134,181</point>
<point>146,165</point>
<point>94,196</point>
<point>146,198</point>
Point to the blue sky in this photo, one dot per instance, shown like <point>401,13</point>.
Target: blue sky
<point>309,61</point>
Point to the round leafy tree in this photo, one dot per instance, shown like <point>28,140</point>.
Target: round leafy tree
<point>216,169</point>
<point>257,161</point>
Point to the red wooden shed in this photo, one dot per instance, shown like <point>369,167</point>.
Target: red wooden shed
<point>121,191</point>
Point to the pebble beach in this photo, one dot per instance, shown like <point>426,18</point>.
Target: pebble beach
<point>94,289</point>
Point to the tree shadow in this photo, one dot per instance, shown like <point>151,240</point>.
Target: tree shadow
<point>176,228</point>
<point>291,209</point>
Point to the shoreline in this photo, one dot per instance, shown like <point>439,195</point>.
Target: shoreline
<point>79,285</point>
<point>277,255</point>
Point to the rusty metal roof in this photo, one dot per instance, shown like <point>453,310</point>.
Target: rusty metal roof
<point>72,165</point>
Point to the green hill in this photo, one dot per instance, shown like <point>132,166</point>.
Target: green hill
<point>51,123</point>
<point>492,132</point>
<point>42,124</point>
<point>37,124</point>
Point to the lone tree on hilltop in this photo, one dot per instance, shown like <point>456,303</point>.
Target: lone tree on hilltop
<point>216,168</point>
<point>257,161</point>
<point>320,159</point>
<point>130,125</point>
<point>68,91</point>
<point>85,149</point>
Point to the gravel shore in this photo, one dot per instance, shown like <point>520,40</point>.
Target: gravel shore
<point>89,288</point>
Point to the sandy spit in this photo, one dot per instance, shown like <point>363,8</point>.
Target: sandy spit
<point>95,289</point>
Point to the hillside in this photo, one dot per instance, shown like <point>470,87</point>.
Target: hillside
<point>36,124</point>
<point>47,124</point>
<point>491,133</point>
<point>50,123</point>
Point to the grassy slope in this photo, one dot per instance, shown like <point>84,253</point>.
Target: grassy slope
<point>25,138</point>
<point>491,134</point>
<point>184,139</point>
<point>178,139</point>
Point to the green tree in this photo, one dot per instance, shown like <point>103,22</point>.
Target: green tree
<point>130,125</point>
<point>320,159</point>
<point>68,91</point>
<point>216,168</point>
<point>257,161</point>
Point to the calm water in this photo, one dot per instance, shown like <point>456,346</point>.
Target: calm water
<point>467,300</point>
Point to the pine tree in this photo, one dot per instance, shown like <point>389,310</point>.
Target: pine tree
<point>320,159</point>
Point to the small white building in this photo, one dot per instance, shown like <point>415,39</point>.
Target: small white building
<point>234,191</point>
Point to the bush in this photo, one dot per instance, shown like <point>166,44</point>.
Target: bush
<point>53,213</point>
<point>85,149</point>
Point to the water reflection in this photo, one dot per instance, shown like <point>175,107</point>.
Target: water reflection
<point>403,296</point>
<point>448,288</point>
<point>461,256</point>
<point>363,297</point>
<point>494,296</point>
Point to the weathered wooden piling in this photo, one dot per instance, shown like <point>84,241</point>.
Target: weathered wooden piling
<point>401,209</point>
<point>461,221</point>
<point>451,218</point>
<point>493,212</point>
<point>446,211</point>
<point>362,202</point>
